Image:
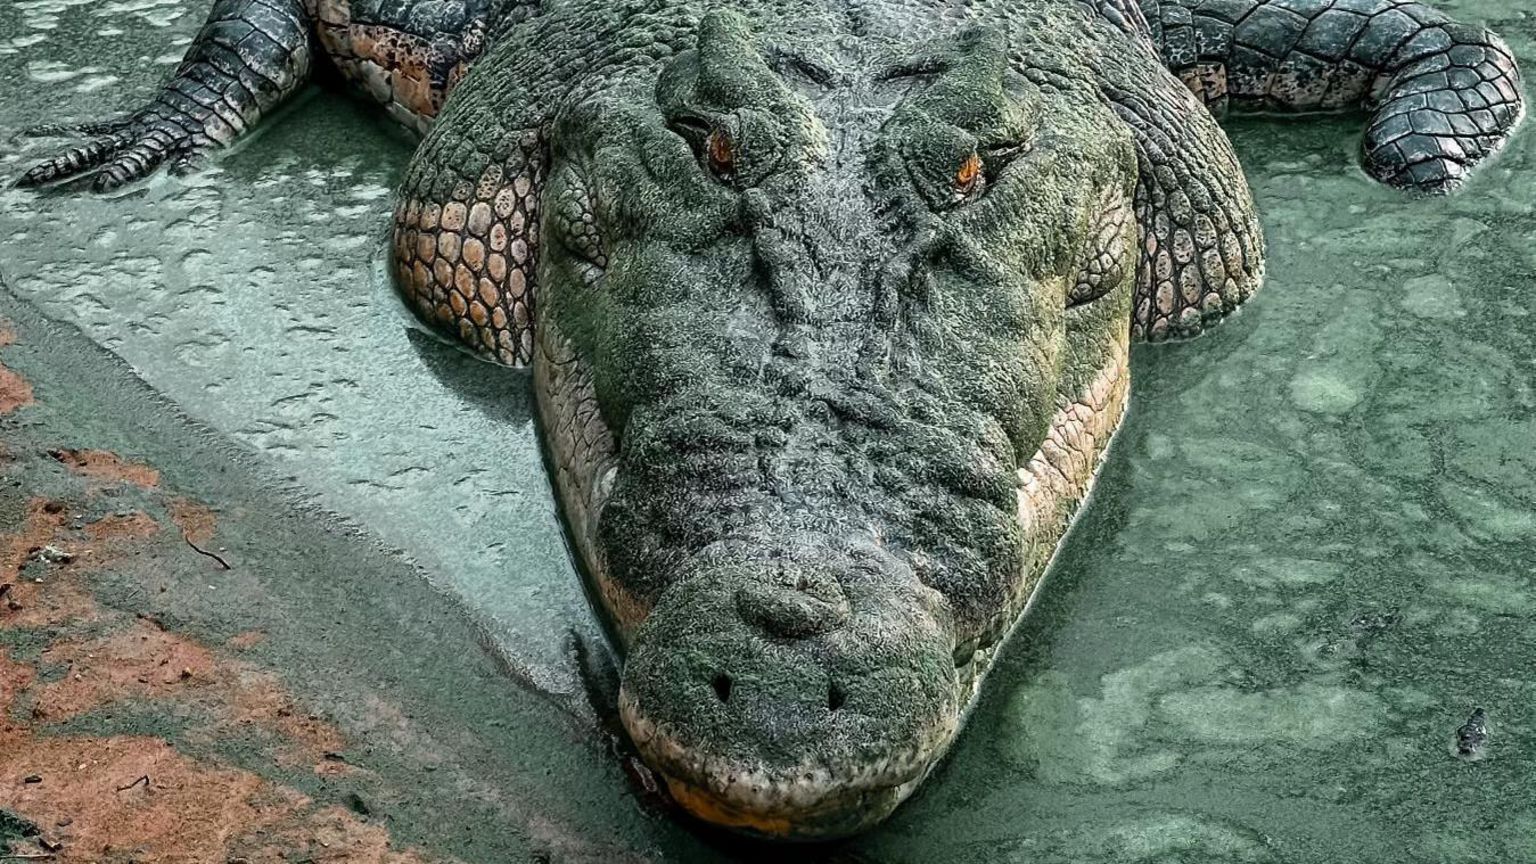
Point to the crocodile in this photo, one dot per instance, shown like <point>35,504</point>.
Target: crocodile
<point>828,305</point>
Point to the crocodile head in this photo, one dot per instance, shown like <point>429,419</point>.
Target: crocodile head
<point>826,359</point>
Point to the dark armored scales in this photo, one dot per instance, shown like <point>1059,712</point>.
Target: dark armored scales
<point>828,304</point>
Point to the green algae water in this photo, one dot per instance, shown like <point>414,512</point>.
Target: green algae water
<point>1310,556</point>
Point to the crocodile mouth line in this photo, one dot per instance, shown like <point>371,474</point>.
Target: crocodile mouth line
<point>785,803</point>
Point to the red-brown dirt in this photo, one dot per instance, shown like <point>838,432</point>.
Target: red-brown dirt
<point>112,799</point>
<point>119,798</point>
<point>107,467</point>
<point>15,392</point>
<point>196,521</point>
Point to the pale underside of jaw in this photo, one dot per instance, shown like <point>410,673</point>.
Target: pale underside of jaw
<point>1052,485</point>
<point>807,800</point>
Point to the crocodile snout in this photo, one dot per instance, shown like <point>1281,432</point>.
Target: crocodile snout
<point>793,693</point>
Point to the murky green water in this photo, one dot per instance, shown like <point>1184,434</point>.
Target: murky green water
<point>1312,553</point>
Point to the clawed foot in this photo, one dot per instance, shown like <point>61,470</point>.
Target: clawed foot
<point>121,151</point>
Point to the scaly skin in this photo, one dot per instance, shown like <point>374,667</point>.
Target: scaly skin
<point>834,302</point>
<point>1443,95</point>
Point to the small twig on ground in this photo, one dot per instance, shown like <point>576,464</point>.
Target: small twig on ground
<point>201,551</point>
<point>142,779</point>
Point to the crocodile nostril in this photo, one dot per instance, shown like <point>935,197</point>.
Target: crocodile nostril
<point>722,686</point>
<point>835,697</point>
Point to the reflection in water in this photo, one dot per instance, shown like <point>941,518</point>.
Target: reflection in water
<point>1309,559</point>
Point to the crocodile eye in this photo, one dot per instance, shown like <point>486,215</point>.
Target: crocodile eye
<point>981,170</point>
<point>712,145</point>
<point>720,151</point>
<point>969,175</point>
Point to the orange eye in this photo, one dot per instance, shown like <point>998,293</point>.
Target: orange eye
<point>721,152</point>
<point>969,173</point>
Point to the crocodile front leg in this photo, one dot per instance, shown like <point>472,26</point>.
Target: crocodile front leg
<point>466,238</point>
<point>1201,250</point>
<point>1444,95</point>
<point>249,56</point>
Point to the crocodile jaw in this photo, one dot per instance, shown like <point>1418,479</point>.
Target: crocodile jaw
<point>811,801</point>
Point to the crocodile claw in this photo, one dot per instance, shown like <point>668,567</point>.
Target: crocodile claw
<point>119,152</point>
<point>73,130</point>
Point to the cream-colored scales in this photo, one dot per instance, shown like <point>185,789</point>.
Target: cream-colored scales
<point>463,254</point>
